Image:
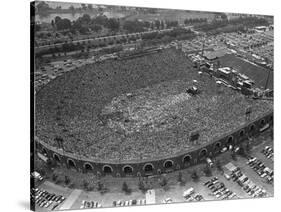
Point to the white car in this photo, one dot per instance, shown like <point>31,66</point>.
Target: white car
<point>167,200</point>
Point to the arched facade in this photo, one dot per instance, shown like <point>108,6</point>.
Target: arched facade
<point>158,166</point>
<point>88,167</point>
<point>217,147</point>
<point>56,157</point>
<point>187,160</point>
<point>230,140</point>
<point>71,163</point>
<point>128,170</point>
<point>148,168</point>
<point>107,169</point>
<point>168,164</point>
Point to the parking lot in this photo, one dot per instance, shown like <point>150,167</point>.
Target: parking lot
<point>245,182</point>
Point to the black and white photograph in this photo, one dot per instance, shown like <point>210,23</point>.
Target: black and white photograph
<point>134,106</point>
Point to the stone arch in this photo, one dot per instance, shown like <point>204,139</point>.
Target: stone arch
<point>230,140</point>
<point>271,118</point>
<point>44,151</point>
<point>203,153</point>
<point>168,164</point>
<point>242,133</point>
<point>252,128</point>
<point>107,169</point>
<point>217,146</point>
<point>71,163</point>
<point>148,167</point>
<point>56,157</point>
<point>262,122</point>
<point>187,159</point>
<point>127,169</point>
<point>88,167</point>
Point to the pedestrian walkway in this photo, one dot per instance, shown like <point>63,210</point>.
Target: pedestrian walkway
<point>71,199</point>
<point>150,197</point>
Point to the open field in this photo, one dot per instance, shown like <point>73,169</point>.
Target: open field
<point>255,72</point>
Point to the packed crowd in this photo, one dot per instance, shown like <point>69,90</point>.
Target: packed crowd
<point>70,108</point>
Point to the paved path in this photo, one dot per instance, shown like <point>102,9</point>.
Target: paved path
<point>71,199</point>
<point>150,197</point>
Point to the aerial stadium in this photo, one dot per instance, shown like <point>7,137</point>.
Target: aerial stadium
<point>145,114</point>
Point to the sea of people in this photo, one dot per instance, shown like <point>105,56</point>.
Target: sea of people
<point>69,107</point>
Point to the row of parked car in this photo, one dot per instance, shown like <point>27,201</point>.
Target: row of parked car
<point>90,204</point>
<point>219,189</point>
<point>129,202</point>
<point>248,186</point>
<point>190,195</point>
<point>261,169</point>
<point>268,152</point>
<point>44,199</point>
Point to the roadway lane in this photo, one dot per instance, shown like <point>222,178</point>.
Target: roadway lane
<point>71,199</point>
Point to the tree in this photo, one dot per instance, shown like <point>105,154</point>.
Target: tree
<point>42,7</point>
<point>90,7</point>
<point>126,188</point>
<point>180,179</point>
<point>207,170</point>
<point>234,156</point>
<point>72,9</point>
<point>85,184</point>
<point>195,176</point>
<point>162,25</point>
<point>37,27</point>
<point>163,181</point>
<point>54,177</point>
<point>83,6</point>
<point>96,27</point>
<point>57,19</point>
<point>218,165</point>
<point>66,180</point>
<point>142,186</point>
<point>113,24</point>
<point>248,147</point>
<point>100,186</point>
<point>63,24</point>
<point>53,23</point>
<point>157,24</point>
<point>86,19</point>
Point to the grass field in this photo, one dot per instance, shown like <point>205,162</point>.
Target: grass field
<point>257,73</point>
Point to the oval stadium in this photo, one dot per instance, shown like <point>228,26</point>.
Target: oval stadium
<point>136,116</point>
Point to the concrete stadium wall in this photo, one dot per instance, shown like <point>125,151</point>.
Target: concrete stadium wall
<point>154,167</point>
